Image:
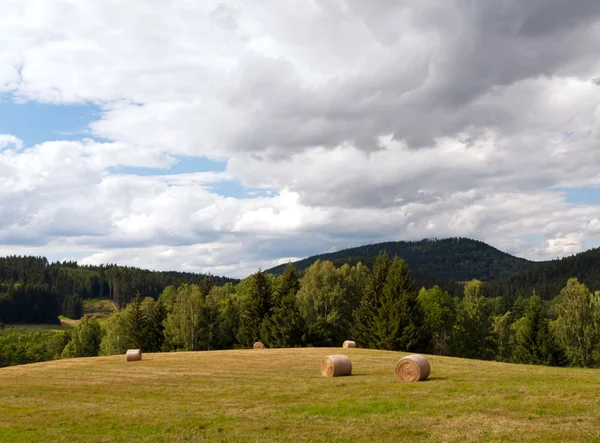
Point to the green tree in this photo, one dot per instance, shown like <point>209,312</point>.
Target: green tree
<point>399,320</point>
<point>257,303</point>
<point>183,326</point>
<point>283,326</point>
<point>439,317</point>
<point>472,331</point>
<point>155,314</point>
<point>73,307</point>
<point>531,339</point>
<point>577,327</point>
<point>230,309</point>
<point>501,331</point>
<point>323,301</point>
<point>116,339</point>
<point>287,283</point>
<point>365,314</point>
<point>85,339</point>
<point>136,323</point>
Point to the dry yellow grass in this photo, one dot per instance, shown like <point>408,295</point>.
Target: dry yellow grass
<point>280,395</point>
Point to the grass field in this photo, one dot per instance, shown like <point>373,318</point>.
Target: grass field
<point>279,395</point>
<point>24,328</point>
<point>99,308</point>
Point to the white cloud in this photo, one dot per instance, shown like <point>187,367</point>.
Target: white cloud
<point>370,120</point>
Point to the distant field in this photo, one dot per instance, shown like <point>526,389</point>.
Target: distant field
<point>101,308</point>
<point>279,395</point>
<point>23,328</point>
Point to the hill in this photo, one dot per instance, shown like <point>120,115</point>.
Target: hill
<point>27,282</point>
<point>279,395</point>
<point>455,259</point>
<point>548,279</point>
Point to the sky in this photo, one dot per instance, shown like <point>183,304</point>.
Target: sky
<point>227,136</point>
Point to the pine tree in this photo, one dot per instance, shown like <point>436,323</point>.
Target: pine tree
<point>155,328</point>
<point>73,307</point>
<point>364,316</point>
<point>288,283</point>
<point>398,323</point>
<point>136,323</point>
<point>256,306</point>
<point>532,341</point>
<point>283,325</point>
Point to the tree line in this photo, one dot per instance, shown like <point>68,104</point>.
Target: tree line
<point>33,290</point>
<point>379,308</point>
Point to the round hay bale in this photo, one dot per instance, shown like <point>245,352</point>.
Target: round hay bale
<point>134,354</point>
<point>336,366</point>
<point>413,367</point>
<point>349,344</point>
<point>258,345</point>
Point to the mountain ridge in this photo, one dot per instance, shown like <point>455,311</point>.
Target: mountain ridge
<point>454,258</point>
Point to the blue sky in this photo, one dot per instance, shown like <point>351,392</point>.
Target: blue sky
<point>585,195</point>
<point>35,122</point>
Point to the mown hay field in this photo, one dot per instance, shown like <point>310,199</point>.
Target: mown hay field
<point>280,395</point>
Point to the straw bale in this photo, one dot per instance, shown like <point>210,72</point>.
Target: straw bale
<point>413,367</point>
<point>336,366</point>
<point>134,354</point>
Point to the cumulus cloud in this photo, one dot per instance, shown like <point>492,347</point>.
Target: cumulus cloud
<point>371,121</point>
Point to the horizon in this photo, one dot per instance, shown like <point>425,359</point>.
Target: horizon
<point>220,138</point>
<point>433,239</point>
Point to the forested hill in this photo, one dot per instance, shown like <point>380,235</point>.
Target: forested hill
<point>547,280</point>
<point>456,259</point>
<point>34,290</point>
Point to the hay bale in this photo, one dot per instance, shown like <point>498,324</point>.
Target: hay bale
<point>349,344</point>
<point>258,345</point>
<point>413,367</point>
<point>336,366</point>
<point>134,354</point>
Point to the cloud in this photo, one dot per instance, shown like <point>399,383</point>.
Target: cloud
<point>7,140</point>
<point>371,121</point>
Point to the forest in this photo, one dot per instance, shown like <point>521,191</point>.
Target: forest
<point>33,290</point>
<point>379,307</point>
<point>450,260</point>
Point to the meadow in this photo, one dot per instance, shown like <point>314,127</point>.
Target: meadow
<point>280,395</point>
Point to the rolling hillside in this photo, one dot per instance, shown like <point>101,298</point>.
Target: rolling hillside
<point>456,259</point>
<point>548,279</point>
<point>279,395</point>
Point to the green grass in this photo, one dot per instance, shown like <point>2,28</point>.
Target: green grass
<point>25,328</point>
<point>101,308</point>
<point>279,395</point>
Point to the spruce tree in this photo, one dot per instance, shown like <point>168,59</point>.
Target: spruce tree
<point>256,306</point>
<point>136,323</point>
<point>155,328</point>
<point>532,341</point>
<point>363,329</point>
<point>283,325</point>
<point>398,322</point>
